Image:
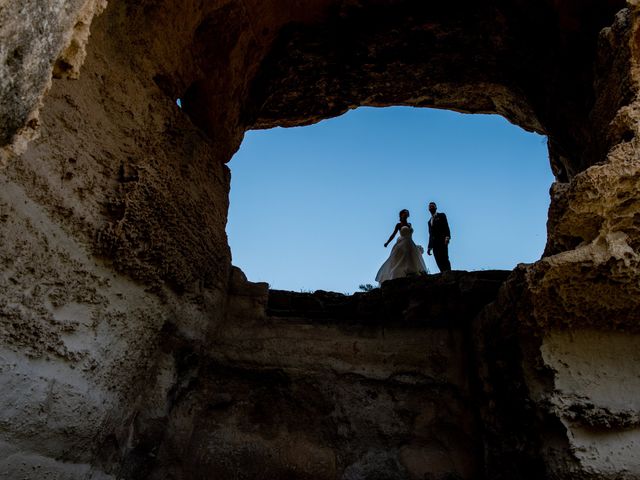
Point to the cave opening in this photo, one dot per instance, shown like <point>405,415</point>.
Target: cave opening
<point>310,207</point>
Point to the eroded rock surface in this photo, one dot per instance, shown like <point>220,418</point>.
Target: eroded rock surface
<point>36,35</point>
<point>374,385</point>
<point>558,400</point>
<point>129,347</point>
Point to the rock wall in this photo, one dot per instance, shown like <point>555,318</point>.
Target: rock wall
<point>558,400</point>
<point>36,37</point>
<point>374,385</point>
<point>112,225</point>
<point>122,323</point>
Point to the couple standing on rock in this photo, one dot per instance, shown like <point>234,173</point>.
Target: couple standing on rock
<point>406,257</point>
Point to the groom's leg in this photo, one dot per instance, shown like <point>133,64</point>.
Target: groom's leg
<point>437,255</point>
<point>441,254</point>
<point>445,258</point>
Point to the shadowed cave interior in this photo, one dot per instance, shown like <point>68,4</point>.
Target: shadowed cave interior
<point>155,358</point>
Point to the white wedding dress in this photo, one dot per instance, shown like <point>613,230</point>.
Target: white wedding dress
<point>405,258</point>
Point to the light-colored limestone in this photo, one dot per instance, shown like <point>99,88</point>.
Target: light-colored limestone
<point>35,33</point>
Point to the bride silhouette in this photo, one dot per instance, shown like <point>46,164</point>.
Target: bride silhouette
<point>405,257</point>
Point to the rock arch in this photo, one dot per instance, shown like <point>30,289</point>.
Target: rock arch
<point>117,275</point>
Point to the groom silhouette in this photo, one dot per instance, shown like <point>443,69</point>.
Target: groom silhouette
<point>439,236</point>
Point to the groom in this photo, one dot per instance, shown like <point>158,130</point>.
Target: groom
<point>439,236</point>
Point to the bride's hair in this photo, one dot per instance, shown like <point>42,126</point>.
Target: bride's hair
<point>403,211</point>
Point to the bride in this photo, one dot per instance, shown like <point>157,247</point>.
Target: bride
<point>405,257</point>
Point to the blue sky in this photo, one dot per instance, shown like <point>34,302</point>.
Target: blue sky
<point>311,207</point>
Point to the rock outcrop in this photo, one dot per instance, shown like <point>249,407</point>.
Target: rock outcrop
<point>39,39</point>
<point>119,308</point>
<point>374,385</point>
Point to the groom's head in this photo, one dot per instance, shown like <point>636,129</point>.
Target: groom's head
<point>433,207</point>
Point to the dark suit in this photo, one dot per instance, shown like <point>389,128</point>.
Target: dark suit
<point>437,234</point>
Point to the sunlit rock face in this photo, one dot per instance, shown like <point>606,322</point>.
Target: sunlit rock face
<point>129,345</point>
<point>36,37</point>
